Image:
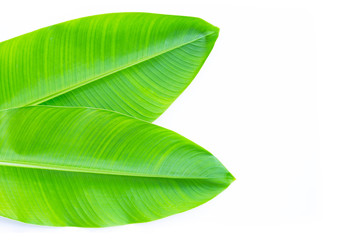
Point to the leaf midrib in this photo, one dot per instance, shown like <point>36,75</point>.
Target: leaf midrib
<point>101,76</point>
<point>92,171</point>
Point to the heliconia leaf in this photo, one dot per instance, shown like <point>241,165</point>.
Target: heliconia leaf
<point>133,63</point>
<point>70,166</point>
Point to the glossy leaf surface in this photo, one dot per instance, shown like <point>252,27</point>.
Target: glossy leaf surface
<point>132,63</point>
<point>66,166</point>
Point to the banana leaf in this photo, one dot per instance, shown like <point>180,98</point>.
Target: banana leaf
<point>133,63</point>
<point>76,166</point>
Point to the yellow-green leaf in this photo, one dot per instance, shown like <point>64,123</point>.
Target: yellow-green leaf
<point>133,63</point>
<point>69,166</point>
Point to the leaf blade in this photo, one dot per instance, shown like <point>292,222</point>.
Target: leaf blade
<point>133,63</point>
<point>105,173</point>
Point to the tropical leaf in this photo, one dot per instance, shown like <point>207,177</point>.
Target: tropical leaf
<point>70,166</point>
<point>133,63</point>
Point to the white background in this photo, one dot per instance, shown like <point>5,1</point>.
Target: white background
<point>277,102</point>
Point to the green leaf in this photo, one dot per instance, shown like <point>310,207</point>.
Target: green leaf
<point>69,166</point>
<point>133,63</point>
